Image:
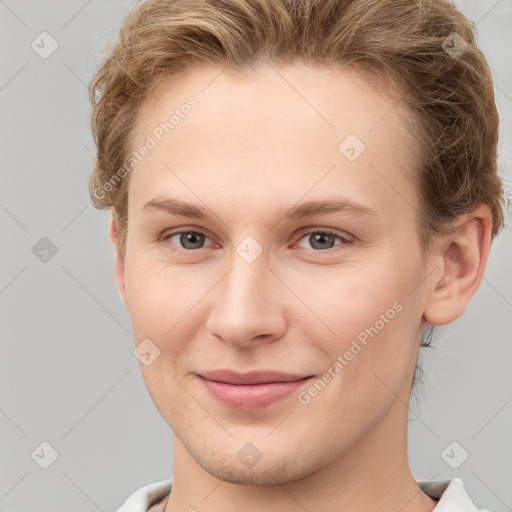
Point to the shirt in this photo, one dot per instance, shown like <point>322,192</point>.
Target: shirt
<point>449,494</point>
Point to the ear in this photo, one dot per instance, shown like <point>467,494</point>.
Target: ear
<point>462,256</point>
<point>118,261</point>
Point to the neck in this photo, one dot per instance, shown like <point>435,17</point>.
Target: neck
<point>373,475</point>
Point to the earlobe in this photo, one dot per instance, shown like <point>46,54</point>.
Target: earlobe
<point>463,256</point>
<point>118,261</point>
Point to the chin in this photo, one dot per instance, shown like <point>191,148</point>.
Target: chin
<point>276,465</point>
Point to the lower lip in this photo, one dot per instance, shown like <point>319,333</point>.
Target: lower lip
<point>251,396</point>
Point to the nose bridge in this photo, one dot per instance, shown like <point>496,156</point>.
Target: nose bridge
<point>244,306</point>
<point>243,290</point>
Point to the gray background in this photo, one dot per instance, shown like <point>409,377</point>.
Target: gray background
<point>68,374</point>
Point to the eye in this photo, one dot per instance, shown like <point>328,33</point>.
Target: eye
<point>187,240</point>
<point>324,240</point>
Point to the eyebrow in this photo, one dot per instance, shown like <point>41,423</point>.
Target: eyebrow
<point>303,210</point>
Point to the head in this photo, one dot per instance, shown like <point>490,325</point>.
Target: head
<point>257,114</point>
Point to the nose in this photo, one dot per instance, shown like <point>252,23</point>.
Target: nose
<point>248,305</point>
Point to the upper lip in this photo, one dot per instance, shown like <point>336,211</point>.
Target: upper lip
<point>253,377</point>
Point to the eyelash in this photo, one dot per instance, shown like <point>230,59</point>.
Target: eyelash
<point>164,239</point>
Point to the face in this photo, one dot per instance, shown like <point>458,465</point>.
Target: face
<point>268,279</point>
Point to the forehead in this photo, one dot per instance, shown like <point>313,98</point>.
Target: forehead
<point>295,127</point>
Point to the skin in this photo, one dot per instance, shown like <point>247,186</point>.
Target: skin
<point>251,147</point>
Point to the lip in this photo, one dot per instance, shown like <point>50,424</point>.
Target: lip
<point>254,377</point>
<point>252,390</point>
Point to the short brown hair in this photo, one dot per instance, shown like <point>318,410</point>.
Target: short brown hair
<point>450,92</point>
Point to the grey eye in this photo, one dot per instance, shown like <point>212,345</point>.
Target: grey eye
<point>189,240</point>
<point>321,240</point>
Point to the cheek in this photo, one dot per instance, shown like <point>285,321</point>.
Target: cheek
<point>366,373</point>
<point>372,347</point>
<point>347,302</point>
<point>166,307</point>
<point>160,310</point>
<point>162,298</point>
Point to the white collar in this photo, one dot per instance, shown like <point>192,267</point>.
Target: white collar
<point>451,496</point>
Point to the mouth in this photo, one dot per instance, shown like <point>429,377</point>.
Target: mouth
<point>252,390</point>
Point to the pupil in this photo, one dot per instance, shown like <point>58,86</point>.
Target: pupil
<point>190,238</point>
<point>319,237</point>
